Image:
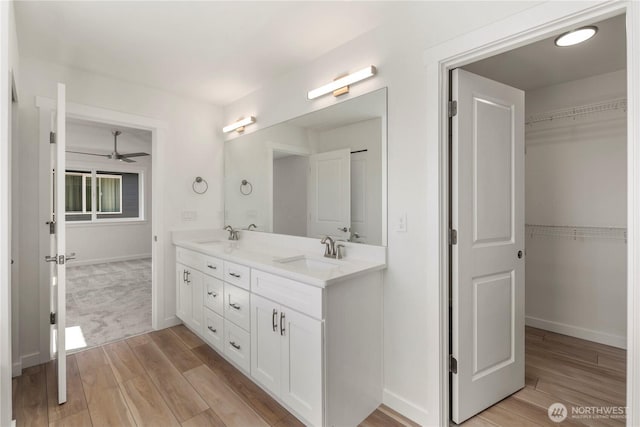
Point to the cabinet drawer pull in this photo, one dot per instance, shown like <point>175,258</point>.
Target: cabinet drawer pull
<point>213,294</point>
<point>234,345</point>
<point>237,276</point>
<point>184,275</point>
<point>211,329</point>
<point>282,328</point>
<point>235,305</point>
<point>274,320</point>
<point>213,267</point>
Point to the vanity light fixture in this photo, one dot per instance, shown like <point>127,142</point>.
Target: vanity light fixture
<point>340,86</point>
<point>239,125</point>
<point>571,38</point>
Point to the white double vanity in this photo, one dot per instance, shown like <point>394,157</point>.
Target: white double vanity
<point>305,328</point>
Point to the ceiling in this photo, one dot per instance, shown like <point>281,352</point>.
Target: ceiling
<point>220,51</point>
<point>543,64</point>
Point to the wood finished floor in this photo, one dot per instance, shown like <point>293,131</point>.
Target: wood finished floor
<point>164,378</point>
<point>559,368</point>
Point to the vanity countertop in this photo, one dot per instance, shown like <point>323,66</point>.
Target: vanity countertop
<point>310,268</point>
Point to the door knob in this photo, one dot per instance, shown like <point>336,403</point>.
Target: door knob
<point>343,229</point>
<point>520,254</point>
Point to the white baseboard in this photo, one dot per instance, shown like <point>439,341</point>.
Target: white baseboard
<point>29,360</point>
<point>575,331</point>
<point>169,322</point>
<point>406,408</point>
<point>77,263</point>
<point>16,368</point>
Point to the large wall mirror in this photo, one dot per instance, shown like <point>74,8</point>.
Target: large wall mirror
<point>320,174</point>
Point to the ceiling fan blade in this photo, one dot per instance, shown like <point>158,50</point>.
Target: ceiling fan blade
<point>124,159</point>
<point>88,154</point>
<point>134,155</point>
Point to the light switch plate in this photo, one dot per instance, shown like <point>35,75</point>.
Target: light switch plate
<point>401,223</point>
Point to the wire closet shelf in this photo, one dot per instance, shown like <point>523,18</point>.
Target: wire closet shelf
<point>577,232</point>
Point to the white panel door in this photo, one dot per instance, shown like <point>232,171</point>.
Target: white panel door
<point>361,211</point>
<point>329,194</point>
<point>301,364</point>
<point>57,256</point>
<point>265,343</point>
<point>487,262</point>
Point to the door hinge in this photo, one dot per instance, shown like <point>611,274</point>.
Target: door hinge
<point>52,318</point>
<point>52,227</point>
<point>52,137</point>
<point>453,237</point>
<point>453,364</point>
<point>452,108</point>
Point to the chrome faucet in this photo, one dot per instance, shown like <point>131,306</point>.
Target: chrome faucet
<point>252,225</point>
<point>233,234</point>
<point>331,249</point>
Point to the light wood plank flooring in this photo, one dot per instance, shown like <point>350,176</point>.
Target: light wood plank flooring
<point>561,369</point>
<point>163,378</point>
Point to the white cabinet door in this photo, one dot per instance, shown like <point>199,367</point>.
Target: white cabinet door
<point>196,282</point>
<point>301,364</point>
<point>265,343</point>
<point>184,300</point>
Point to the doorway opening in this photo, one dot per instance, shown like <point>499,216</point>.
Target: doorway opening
<point>574,236</point>
<point>109,229</point>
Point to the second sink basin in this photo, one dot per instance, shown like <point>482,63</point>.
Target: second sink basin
<point>303,261</point>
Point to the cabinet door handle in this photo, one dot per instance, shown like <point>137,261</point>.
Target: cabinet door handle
<point>184,276</point>
<point>213,267</point>
<point>213,294</point>
<point>274,320</point>
<point>234,305</point>
<point>188,274</point>
<point>211,329</point>
<point>234,345</point>
<point>282,328</point>
<point>237,276</point>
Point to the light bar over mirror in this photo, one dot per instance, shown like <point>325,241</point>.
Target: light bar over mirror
<point>239,124</point>
<point>340,86</point>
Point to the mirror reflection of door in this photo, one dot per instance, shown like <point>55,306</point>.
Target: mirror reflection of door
<point>329,194</point>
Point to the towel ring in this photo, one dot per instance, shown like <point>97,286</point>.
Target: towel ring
<point>244,184</point>
<point>198,185</point>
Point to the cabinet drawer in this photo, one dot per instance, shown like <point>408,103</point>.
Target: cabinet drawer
<point>304,298</point>
<point>189,258</point>
<point>213,330</point>
<point>213,294</point>
<point>236,306</point>
<point>237,274</point>
<point>237,345</point>
<point>212,266</point>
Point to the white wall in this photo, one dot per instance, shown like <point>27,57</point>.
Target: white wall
<point>576,175</point>
<point>411,318</point>
<point>105,242</point>
<point>194,147</point>
<point>290,195</point>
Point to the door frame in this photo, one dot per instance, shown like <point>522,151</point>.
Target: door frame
<point>524,28</point>
<point>158,139</point>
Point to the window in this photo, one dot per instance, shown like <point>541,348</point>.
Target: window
<point>116,195</point>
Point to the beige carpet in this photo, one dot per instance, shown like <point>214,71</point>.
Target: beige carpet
<point>107,302</point>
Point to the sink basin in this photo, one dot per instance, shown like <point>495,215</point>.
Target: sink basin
<point>302,261</point>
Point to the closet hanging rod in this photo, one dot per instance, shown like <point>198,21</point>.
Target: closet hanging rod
<point>577,232</point>
<point>581,110</point>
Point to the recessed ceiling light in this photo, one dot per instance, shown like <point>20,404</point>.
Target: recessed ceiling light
<point>574,37</point>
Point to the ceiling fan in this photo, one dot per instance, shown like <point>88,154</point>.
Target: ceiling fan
<point>115,155</point>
